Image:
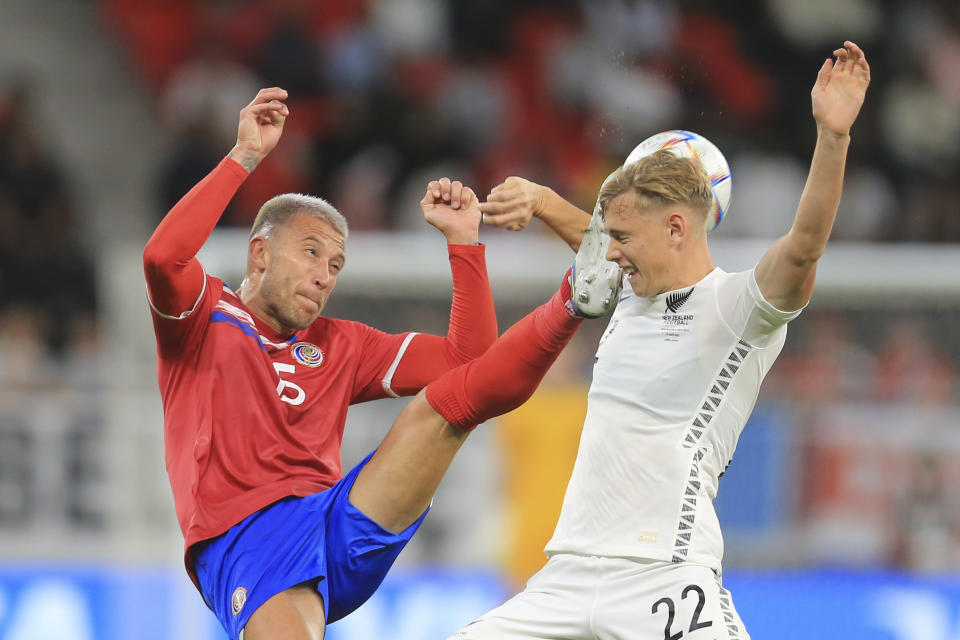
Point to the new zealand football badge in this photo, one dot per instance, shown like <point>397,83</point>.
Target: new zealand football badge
<point>238,599</point>
<point>675,323</point>
<point>307,354</point>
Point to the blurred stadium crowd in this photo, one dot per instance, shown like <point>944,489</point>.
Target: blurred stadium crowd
<point>385,91</point>
<point>388,93</point>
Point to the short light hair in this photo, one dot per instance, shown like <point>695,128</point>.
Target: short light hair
<point>660,179</point>
<point>278,209</point>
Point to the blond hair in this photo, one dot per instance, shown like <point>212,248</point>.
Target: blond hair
<point>278,209</point>
<point>660,179</point>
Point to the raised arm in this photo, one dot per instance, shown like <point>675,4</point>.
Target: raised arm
<point>453,209</point>
<point>516,200</point>
<point>174,276</point>
<point>787,272</point>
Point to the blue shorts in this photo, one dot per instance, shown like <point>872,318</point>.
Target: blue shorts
<point>318,537</point>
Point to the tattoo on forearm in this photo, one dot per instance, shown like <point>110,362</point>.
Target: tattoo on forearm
<point>247,159</point>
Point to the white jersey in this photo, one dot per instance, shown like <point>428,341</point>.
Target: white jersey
<point>675,379</point>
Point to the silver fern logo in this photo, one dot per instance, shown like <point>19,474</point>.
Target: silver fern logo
<point>675,323</point>
<point>677,299</point>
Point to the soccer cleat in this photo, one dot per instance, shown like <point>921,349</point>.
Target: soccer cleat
<point>595,281</point>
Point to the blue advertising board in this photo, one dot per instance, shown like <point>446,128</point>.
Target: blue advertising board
<point>118,603</point>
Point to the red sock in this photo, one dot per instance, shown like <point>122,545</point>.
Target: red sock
<point>509,372</point>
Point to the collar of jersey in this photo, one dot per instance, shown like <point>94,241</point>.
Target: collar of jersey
<point>231,304</point>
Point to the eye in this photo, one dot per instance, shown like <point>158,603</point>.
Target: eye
<point>311,251</point>
<point>335,267</point>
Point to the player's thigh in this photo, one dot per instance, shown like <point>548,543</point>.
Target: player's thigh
<point>526,616</point>
<point>293,614</point>
<point>662,601</point>
<point>555,604</point>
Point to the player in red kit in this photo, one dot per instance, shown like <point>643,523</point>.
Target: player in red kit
<point>256,384</point>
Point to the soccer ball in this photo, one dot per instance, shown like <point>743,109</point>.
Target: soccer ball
<point>687,144</point>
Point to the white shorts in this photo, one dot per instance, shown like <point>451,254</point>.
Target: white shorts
<point>595,598</point>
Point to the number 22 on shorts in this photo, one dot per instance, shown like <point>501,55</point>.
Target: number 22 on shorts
<point>695,622</point>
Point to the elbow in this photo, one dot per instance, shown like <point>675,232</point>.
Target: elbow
<point>151,258</point>
<point>484,341</point>
<point>806,258</point>
<point>459,354</point>
<point>154,259</point>
<point>806,249</point>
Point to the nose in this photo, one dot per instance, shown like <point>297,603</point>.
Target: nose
<point>613,251</point>
<point>322,276</point>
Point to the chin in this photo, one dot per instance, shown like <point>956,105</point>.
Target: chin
<point>299,323</point>
<point>305,323</point>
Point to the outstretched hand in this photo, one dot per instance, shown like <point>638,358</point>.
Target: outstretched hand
<point>840,89</point>
<point>512,203</point>
<point>261,123</point>
<point>453,209</point>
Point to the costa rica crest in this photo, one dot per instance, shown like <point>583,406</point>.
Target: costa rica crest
<point>309,355</point>
<point>238,599</point>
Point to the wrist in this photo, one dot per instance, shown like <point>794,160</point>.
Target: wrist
<point>828,135</point>
<point>541,195</point>
<point>462,235</point>
<point>463,238</point>
<point>246,157</point>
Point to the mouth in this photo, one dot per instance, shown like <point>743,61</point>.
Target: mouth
<point>630,271</point>
<point>315,303</point>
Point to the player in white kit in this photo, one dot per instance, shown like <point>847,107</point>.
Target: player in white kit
<point>637,550</point>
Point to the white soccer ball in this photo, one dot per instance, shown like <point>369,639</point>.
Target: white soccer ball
<point>687,144</point>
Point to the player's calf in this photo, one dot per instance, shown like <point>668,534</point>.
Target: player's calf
<point>509,372</point>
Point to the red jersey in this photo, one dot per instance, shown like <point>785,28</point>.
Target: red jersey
<point>251,416</point>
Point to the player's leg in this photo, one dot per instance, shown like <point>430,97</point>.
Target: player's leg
<point>267,576</point>
<point>556,603</point>
<point>731,619</point>
<point>293,614</point>
<point>396,486</point>
<point>655,600</point>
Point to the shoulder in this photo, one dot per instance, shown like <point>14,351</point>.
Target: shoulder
<point>729,284</point>
<point>324,324</point>
<point>329,330</point>
<point>744,307</point>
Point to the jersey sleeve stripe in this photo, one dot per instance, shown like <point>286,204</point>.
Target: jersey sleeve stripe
<point>388,376</point>
<point>185,314</point>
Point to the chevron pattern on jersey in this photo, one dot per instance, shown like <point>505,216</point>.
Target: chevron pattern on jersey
<point>688,510</point>
<point>713,398</point>
<point>726,606</point>
<point>692,438</point>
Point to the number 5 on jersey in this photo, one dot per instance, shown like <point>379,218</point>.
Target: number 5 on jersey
<point>299,394</point>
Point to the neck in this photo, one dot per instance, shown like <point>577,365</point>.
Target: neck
<point>694,266</point>
<point>247,292</point>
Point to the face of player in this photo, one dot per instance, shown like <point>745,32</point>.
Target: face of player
<point>641,242</point>
<point>305,258</point>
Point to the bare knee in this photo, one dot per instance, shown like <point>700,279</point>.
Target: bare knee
<point>293,614</point>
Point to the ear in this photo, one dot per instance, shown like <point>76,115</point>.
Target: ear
<point>677,225</point>
<point>258,254</point>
